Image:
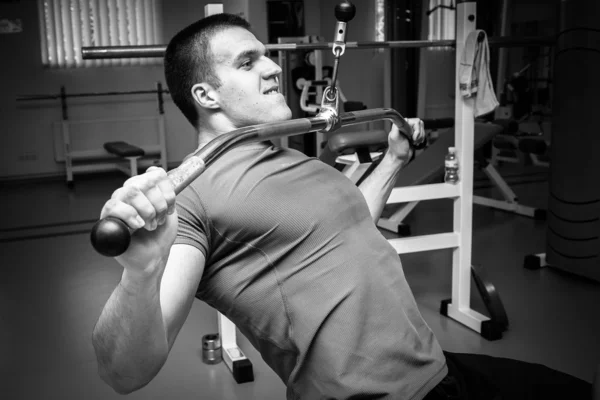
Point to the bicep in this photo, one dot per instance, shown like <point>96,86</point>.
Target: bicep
<point>178,286</point>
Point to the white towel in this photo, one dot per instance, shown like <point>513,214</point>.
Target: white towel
<point>474,74</point>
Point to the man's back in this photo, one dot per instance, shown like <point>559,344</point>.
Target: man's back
<point>295,260</point>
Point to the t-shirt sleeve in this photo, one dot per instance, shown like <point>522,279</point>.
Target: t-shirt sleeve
<point>193,221</point>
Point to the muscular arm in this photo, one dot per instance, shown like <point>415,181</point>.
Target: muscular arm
<point>376,188</point>
<point>142,318</point>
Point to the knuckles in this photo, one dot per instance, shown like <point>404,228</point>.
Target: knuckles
<point>126,193</point>
<point>161,210</point>
<point>109,206</point>
<point>144,193</point>
<point>112,207</point>
<point>150,178</point>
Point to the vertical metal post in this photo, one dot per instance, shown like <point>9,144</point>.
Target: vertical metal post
<point>67,150</point>
<point>504,23</point>
<point>159,93</point>
<point>63,103</point>
<point>463,205</point>
<point>66,135</point>
<point>319,136</point>
<point>235,359</point>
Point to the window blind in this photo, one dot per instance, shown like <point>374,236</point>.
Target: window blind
<point>68,25</point>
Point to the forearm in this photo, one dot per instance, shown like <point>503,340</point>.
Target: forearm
<point>376,188</point>
<point>130,337</point>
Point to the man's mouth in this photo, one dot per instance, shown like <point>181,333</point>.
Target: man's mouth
<point>273,90</point>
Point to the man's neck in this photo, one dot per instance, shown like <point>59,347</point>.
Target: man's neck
<point>205,137</point>
<point>215,126</point>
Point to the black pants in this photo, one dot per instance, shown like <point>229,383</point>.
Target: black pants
<point>481,377</point>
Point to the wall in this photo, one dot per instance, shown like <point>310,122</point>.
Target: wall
<point>26,129</point>
<point>253,11</point>
<point>436,96</point>
<point>437,88</point>
<point>257,15</point>
<point>312,17</point>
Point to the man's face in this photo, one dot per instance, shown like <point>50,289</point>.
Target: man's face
<point>249,93</point>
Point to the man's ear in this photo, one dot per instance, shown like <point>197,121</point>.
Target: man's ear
<point>205,96</point>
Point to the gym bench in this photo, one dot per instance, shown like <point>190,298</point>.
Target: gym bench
<point>127,151</point>
<point>90,155</point>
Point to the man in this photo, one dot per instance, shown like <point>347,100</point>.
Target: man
<point>282,244</point>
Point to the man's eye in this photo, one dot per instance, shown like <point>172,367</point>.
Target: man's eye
<point>247,64</point>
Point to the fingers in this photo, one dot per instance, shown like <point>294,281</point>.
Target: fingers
<point>143,201</point>
<point>149,204</point>
<point>124,212</point>
<point>421,130</point>
<point>418,128</point>
<point>168,191</point>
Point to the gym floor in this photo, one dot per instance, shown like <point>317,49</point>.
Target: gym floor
<point>55,285</point>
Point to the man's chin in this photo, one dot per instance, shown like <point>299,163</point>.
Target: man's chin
<point>282,115</point>
<point>276,114</point>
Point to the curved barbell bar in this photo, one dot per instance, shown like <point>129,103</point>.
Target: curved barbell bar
<point>111,236</point>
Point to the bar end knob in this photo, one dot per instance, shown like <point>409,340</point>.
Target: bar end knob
<point>345,11</point>
<point>110,237</point>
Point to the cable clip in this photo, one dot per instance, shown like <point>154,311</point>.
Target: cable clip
<point>330,109</point>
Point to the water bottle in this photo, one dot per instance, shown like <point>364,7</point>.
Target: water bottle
<point>451,164</point>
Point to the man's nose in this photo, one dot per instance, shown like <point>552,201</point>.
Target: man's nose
<point>271,68</point>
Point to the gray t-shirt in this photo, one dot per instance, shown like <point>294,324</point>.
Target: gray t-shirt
<point>295,260</point>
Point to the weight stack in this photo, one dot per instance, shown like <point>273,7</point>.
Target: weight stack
<point>573,242</point>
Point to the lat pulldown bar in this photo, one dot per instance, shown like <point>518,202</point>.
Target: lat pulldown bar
<point>111,236</point>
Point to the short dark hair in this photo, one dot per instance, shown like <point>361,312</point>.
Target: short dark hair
<point>188,59</point>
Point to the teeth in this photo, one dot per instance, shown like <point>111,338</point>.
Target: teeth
<point>272,91</point>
